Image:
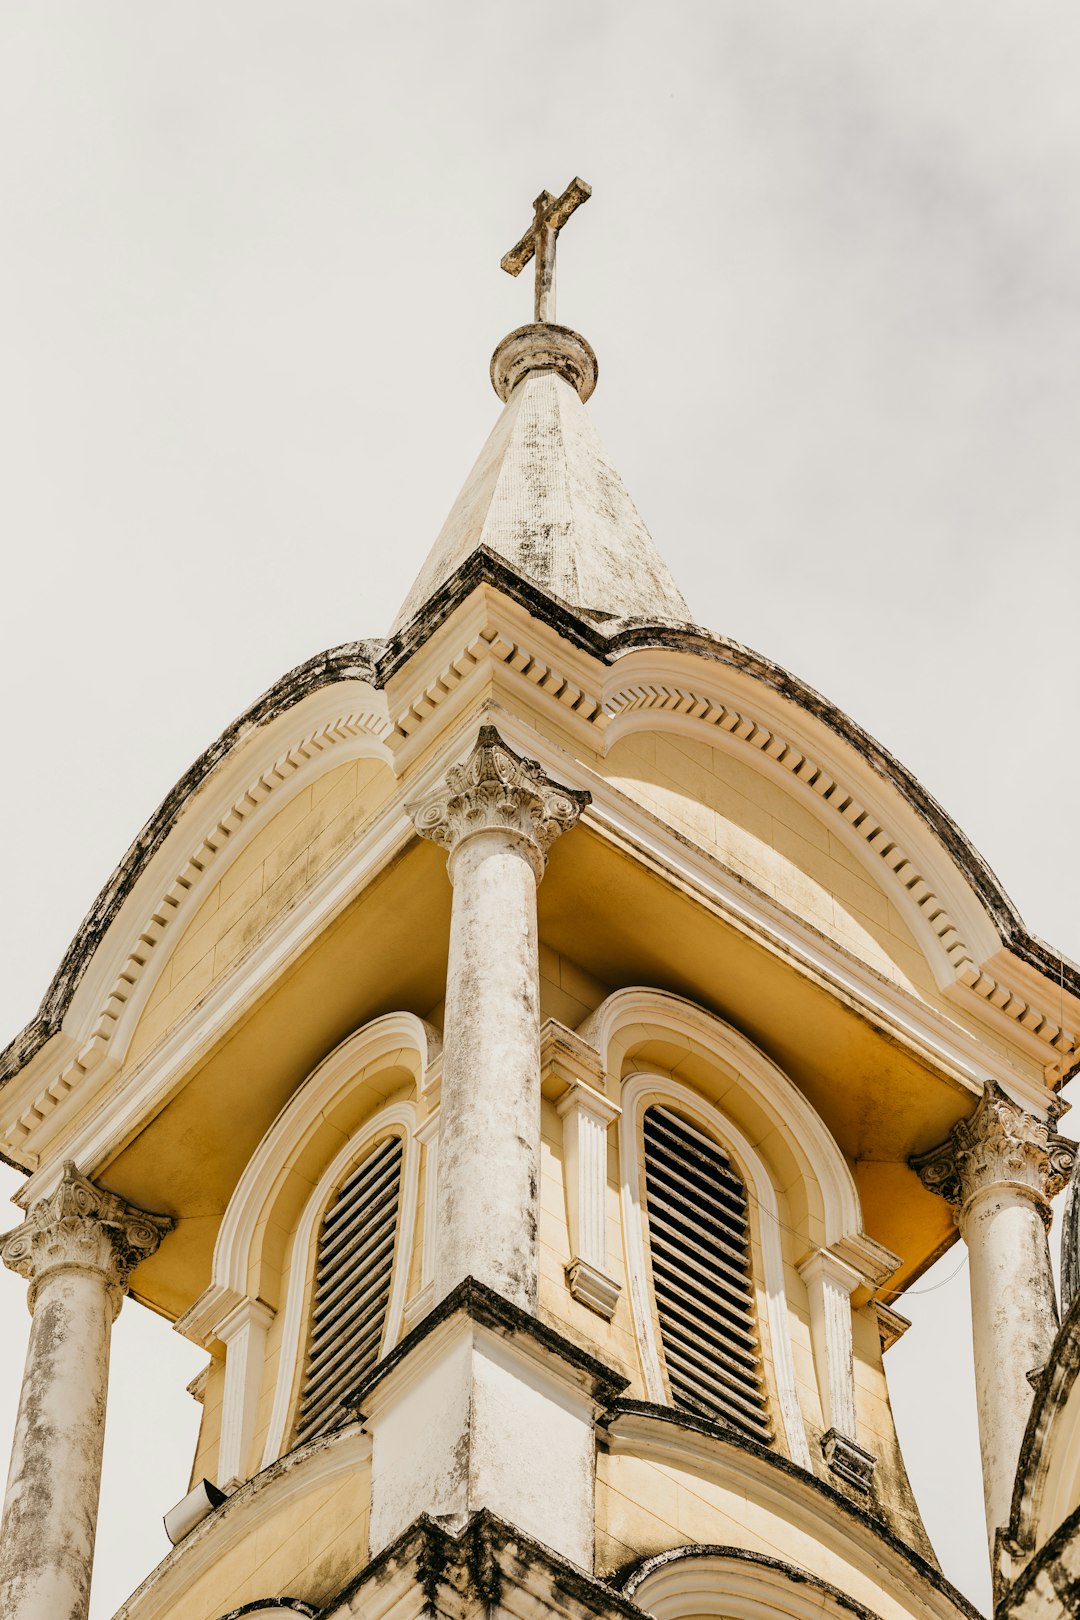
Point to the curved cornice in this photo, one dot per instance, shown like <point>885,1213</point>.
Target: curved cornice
<point>687,1439</point>
<point>309,1468</point>
<point>376,664</point>
<point>354,661</point>
<point>774,1574</point>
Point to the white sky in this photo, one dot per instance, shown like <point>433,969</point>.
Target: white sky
<point>249,290</point>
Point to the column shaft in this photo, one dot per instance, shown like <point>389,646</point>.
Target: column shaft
<point>1013,1322</point>
<point>489,1137</point>
<point>50,1512</point>
<point>999,1168</point>
<point>497,814</point>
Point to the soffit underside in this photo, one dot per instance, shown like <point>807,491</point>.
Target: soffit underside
<point>621,924</point>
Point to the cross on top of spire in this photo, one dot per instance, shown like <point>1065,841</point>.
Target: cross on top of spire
<point>550,214</point>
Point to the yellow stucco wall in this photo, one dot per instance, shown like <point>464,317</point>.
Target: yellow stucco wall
<point>757,827</point>
<point>646,1506</point>
<point>270,870</point>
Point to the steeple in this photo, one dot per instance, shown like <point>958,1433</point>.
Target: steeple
<point>543,495</point>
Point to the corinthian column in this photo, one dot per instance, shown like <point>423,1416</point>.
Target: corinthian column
<point>999,1169</point>
<point>497,815</point>
<point>76,1249</point>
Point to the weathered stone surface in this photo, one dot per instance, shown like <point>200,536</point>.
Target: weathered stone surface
<point>497,814</point>
<point>999,1169</point>
<point>77,1249</point>
<point>544,496</point>
<point>496,790</point>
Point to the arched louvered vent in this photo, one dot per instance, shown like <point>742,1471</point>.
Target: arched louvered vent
<point>352,1287</point>
<point>699,1239</point>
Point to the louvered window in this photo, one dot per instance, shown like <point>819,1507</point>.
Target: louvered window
<point>700,1250</point>
<point>352,1286</point>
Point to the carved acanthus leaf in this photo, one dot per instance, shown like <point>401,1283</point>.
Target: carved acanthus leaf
<point>1000,1144</point>
<point>497,789</point>
<point>81,1226</point>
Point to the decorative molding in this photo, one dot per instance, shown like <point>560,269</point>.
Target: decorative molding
<point>243,1333</point>
<point>396,1119</point>
<point>81,1227</point>
<point>918,892</point>
<point>304,1474</point>
<point>890,1324</point>
<point>591,1286</point>
<point>692,705</point>
<point>637,1093</point>
<point>148,1085</point>
<point>160,923</point>
<point>586,1115</point>
<point>400,1039</point>
<point>568,1060</point>
<point>492,643</point>
<point>735,1584</point>
<point>848,1461</point>
<point>624,1016</point>
<point>803,1501</point>
<point>830,1282</point>
<point>486,625</point>
<point>874,1263</point>
<point>427,1135</point>
<point>197,1387</point>
<point>999,1145</point>
<point>496,790</point>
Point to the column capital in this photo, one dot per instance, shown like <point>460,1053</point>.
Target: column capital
<point>81,1227</point>
<point>999,1145</point>
<point>498,790</point>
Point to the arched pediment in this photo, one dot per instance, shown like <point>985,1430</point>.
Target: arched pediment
<point>199,862</point>
<point>851,1559</point>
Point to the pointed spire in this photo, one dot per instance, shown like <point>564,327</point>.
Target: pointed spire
<point>543,495</point>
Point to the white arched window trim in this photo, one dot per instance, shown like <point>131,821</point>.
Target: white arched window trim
<point>637,1092</point>
<point>229,1310</point>
<point>397,1119</point>
<point>630,1014</point>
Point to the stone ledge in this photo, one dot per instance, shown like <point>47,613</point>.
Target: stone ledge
<point>472,1572</point>
<point>482,1305</point>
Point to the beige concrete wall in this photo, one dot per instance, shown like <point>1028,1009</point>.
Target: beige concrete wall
<point>266,876</point>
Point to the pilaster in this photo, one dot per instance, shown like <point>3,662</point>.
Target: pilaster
<point>586,1115</point>
<point>243,1333</point>
<point>830,1283</point>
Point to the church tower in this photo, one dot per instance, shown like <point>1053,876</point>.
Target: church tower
<point>532,1053</point>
